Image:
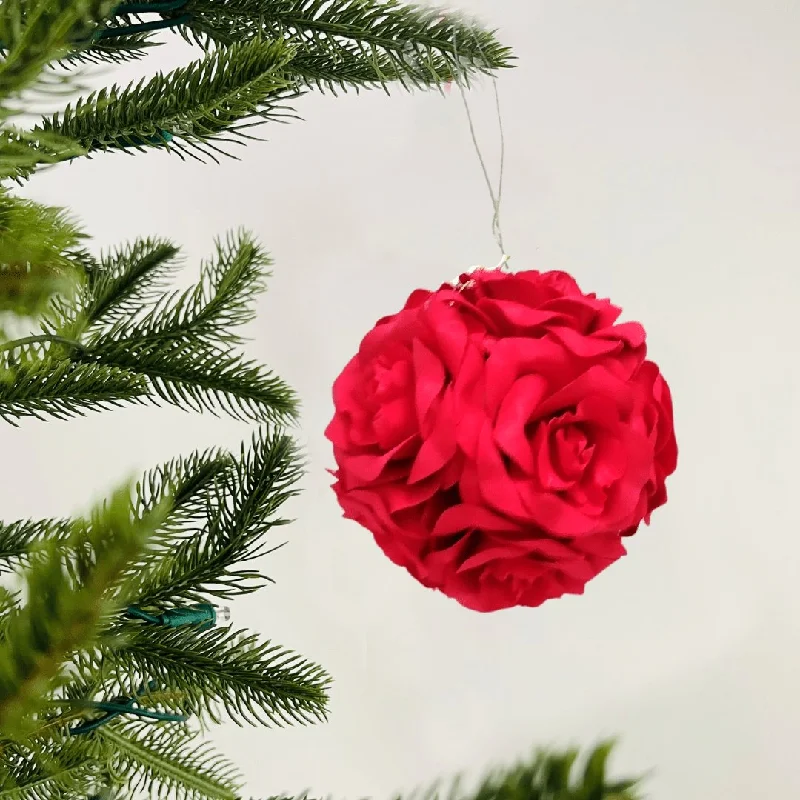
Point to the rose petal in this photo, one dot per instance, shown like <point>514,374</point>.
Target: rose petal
<point>516,410</point>
<point>429,379</point>
<point>440,445</point>
<point>366,467</point>
<point>467,517</point>
<point>516,356</point>
<point>496,488</point>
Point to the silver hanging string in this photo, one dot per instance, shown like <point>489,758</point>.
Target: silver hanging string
<point>498,196</point>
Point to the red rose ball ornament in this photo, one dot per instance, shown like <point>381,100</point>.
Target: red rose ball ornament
<point>500,437</point>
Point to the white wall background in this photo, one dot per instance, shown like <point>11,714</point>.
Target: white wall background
<point>653,152</point>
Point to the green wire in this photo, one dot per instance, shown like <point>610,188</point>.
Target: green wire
<point>120,706</point>
<point>164,7</point>
<point>149,8</point>
<point>140,27</point>
<point>203,615</point>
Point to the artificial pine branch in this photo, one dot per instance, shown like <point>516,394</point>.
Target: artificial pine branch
<point>249,77</point>
<point>8,602</point>
<point>164,760</point>
<point>61,388</point>
<point>222,670</point>
<point>548,775</point>
<point>188,483</point>
<point>23,152</point>
<point>183,486</point>
<point>222,300</point>
<point>208,380</point>
<point>34,34</point>
<point>127,278</point>
<point>64,774</point>
<point>98,351</point>
<point>35,243</point>
<point>204,672</point>
<point>19,537</point>
<point>181,344</point>
<point>415,42</point>
<point>241,512</point>
<point>67,599</point>
<point>118,50</point>
<point>187,109</point>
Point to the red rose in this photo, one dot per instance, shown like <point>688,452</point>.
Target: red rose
<point>501,437</point>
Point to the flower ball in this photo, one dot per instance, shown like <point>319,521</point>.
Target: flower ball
<point>501,437</point>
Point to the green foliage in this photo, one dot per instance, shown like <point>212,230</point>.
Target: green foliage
<point>223,670</point>
<point>355,41</point>
<point>125,280</point>
<point>168,761</point>
<point>549,775</point>
<point>36,776</point>
<point>259,55</point>
<point>69,591</point>
<point>108,347</point>
<point>118,50</point>
<point>188,109</point>
<point>19,537</point>
<point>240,499</point>
<point>35,33</point>
<point>214,512</point>
<point>22,152</point>
<point>60,388</point>
<point>35,263</point>
<point>221,301</point>
<point>188,482</point>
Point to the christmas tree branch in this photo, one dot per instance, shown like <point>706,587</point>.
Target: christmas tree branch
<point>241,512</point>
<point>128,278</point>
<point>62,388</point>
<point>221,669</point>
<point>410,41</point>
<point>118,50</point>
<point>36,775</point>
<point>183,485</point>
<point>187,109</point>
<point>23,152</point>
<point>34,33</point>
<point>106,346</point>
<point>176,345</point>
<point>548,775</point>
<point>17,538</point>
<point>222,300</point>
<point>67,599</point>
<point>552,774</point>
<point>35,263</point>
<point>208,380</point>
<point>164,759</point>
<point>188,483</point>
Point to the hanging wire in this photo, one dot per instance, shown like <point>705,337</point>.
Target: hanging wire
<point>497,197</point>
